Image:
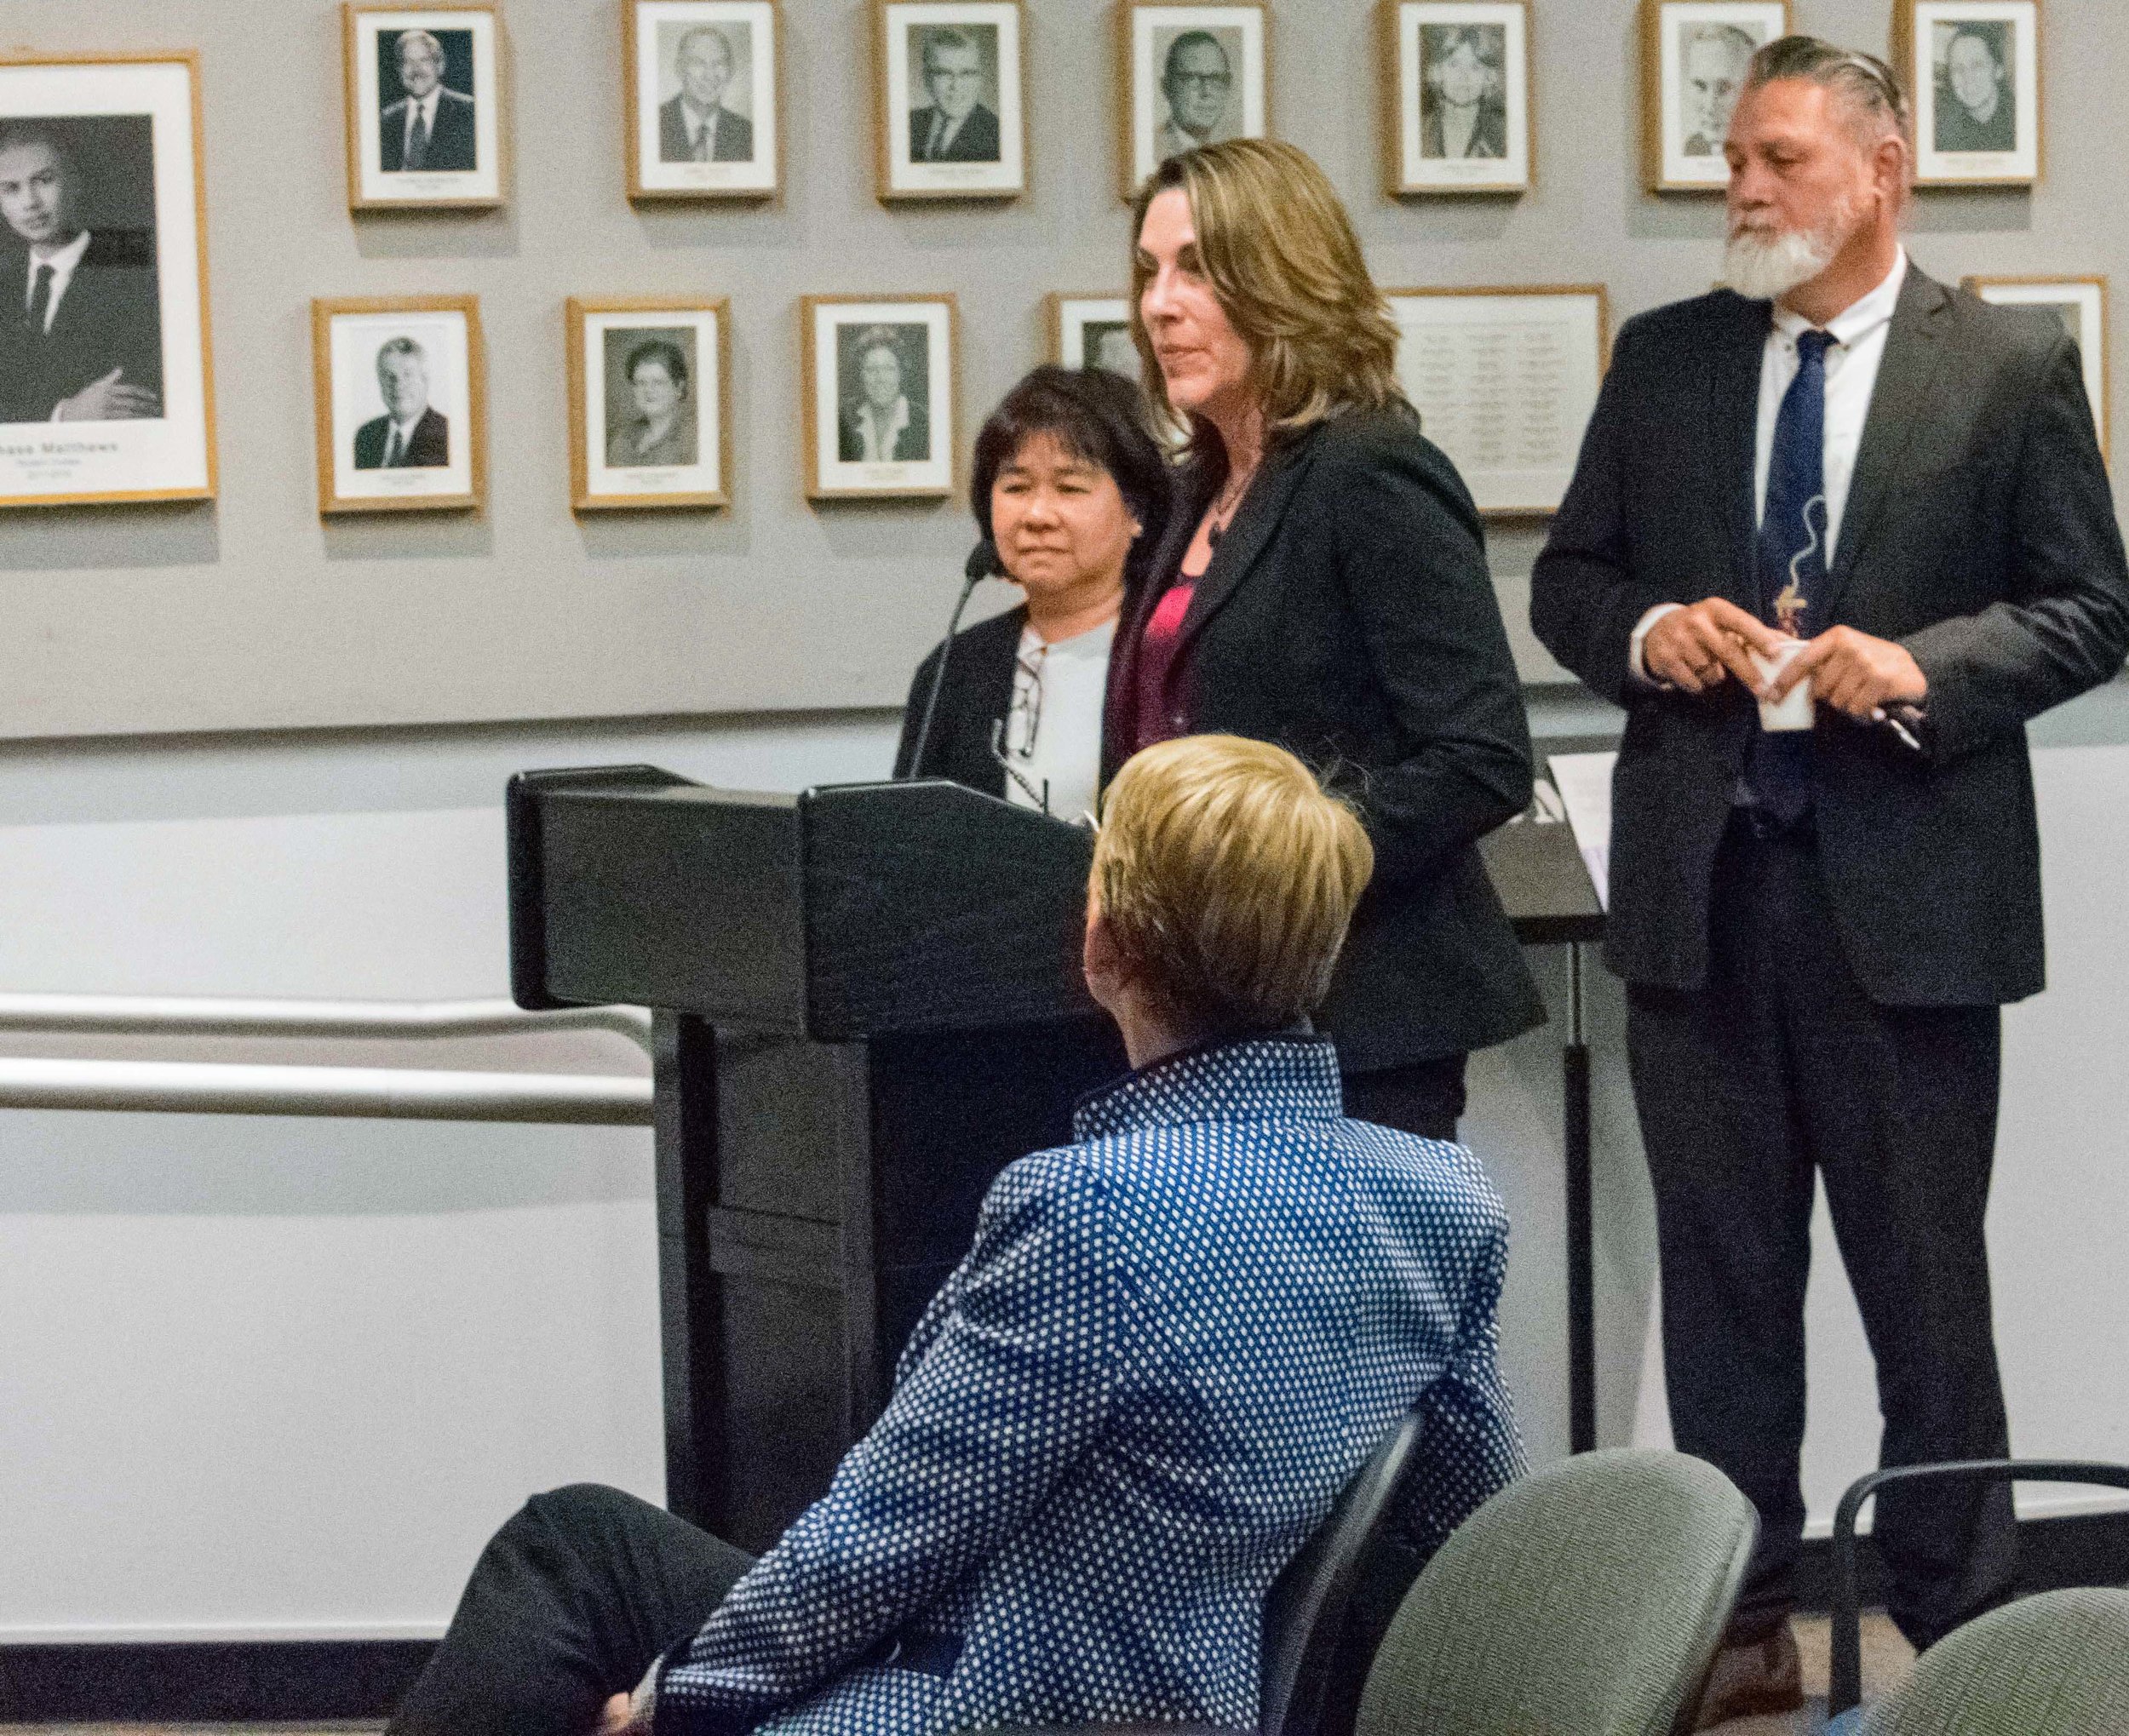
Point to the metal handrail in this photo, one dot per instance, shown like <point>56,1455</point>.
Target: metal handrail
<point>217,1088</point>
<point>199,1015</point>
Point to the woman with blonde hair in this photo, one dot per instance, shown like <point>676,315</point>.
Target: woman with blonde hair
<point>1322,585</point>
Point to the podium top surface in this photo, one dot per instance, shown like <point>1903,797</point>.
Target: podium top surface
<point>851,910</point>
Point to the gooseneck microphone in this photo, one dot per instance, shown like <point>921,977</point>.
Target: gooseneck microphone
<point>983,563</point>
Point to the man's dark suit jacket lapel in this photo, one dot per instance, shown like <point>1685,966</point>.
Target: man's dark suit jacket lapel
<point>1733,437</point>
<point>1246,536</point>
<point>1906,376</point>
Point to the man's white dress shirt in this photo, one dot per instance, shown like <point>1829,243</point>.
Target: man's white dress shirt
<point>1859,333</point>
<point>425,106</point>
<point>62,264</point>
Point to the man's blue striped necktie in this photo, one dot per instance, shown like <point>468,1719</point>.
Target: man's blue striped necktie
<point>1793,569</point>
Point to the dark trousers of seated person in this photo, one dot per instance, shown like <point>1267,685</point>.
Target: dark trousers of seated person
<point>1779,1070</point>
<point>1425,1098</point>
<point>566,1607</point>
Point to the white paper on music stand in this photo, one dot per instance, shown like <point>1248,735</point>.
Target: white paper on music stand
<point>1584,781</point>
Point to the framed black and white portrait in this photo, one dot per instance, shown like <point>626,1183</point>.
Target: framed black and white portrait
<point>1191,76</point>
<point>1974,67</point>
<point>107,384</point>
<point>402,419</point>
<point>702,98</point>
<point>650,403</point>
<point>1094,331</point>
<point>2080,304</point>
<point>424,106</point>
<point>879,393</point>
<point>950,120</point>
<point>1695,53</point>
<point>1505,382</point>
<point>1456,82</point>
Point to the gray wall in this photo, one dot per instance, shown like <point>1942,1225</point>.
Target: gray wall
<point>252,614</point>
<point>280,1377</point>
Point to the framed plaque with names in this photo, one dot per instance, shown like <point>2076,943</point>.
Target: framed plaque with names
<point>1505,381</point>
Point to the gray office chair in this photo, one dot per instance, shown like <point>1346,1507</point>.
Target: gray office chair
<point>1845,1686</point>
<point>2055,1664</point>
<point>1586,1600</point>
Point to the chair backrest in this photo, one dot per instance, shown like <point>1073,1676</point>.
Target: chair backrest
<point>1586,1600</point>
<point>1304,1611</point>
<point>2055,1664</point>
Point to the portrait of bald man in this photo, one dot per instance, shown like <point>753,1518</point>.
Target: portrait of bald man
<point>80,322</point>
<point>429,127</point>
<point>410,434</point>
<point>696,126</point>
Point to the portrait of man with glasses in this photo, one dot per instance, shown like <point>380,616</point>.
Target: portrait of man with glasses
<point>1197,83</point>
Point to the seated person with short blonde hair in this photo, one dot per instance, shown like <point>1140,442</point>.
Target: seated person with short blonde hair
<point>1171,1346</point>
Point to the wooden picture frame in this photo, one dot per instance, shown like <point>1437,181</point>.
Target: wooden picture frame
<point>746,152</point>
<point>689,467</point>
<point>987,156</point>
<point>1083,331</point>
<point>839,336</point>
<point>356,341</point>
<point>2088,296</point>
<point>129,128</point>
<point>1147,32</point>
<point>1421,156</point>
<point>464,142</point>
<point>1688,85</point>
<point>2004,147</point>
<point>1513,438</point>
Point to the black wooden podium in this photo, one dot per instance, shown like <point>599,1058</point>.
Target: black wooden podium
<point>866,1002</point>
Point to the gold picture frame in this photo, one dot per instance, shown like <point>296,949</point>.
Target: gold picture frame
<point>169,455</point>
<point>898,174</point>
<point>1066,318</point>
<point>2088,294</point>
<point>1678,157</point>
<point>1547,434</point>
<point>1967,163</point>
<point>653,174</point>
<point>598,484</point>
<point>1399,24</point>
<point>1137,81</point>
<point>846,327</point>
<point>473,170</point>
<point>354,420</point>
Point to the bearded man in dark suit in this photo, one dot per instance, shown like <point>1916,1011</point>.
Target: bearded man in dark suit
<point>1899,490</point>
<point>80,324</point>
<point>431,128</point>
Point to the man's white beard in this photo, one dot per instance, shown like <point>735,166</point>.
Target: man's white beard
<point>1761,268</point>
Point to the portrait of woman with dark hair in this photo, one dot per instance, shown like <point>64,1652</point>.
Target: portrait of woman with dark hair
<point>661,431</point>
<point>1463,98</point>
<point>881,387</point>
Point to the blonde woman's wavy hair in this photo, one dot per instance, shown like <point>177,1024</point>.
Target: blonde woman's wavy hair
<point>1282,257</point>
<point>1228,878</point>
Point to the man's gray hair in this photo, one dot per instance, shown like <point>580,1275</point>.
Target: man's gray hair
<point>1728,35</point>
<point>947,37</point>
<point>698,33</point>
<point>420,39</point>
<point>402,346</point>
<point>1864,82</point>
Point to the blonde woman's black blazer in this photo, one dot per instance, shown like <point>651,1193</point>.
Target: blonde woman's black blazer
<point>1348,616</point>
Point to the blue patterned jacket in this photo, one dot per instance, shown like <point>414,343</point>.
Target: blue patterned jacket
<point>1171,1345</point>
